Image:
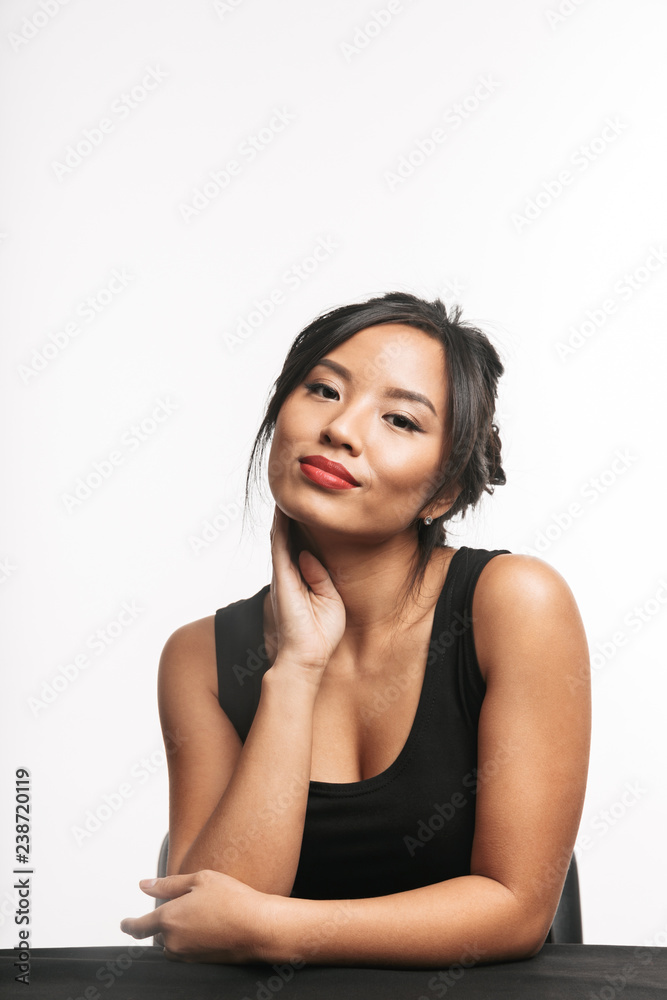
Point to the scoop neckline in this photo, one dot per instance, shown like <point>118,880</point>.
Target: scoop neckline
<point>390,772</point>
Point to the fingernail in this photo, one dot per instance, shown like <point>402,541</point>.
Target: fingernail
<point>147,882</point>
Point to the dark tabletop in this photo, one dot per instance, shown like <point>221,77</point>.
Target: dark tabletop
<point>141,972</point>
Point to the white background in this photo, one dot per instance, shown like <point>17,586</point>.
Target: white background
<point>456,227</point>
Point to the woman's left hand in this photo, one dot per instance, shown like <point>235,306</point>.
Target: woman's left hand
<point>209,917</point>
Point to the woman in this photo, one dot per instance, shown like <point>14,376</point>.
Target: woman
<point>360,777</point>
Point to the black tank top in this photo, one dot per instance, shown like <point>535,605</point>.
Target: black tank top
<point>412,824</point>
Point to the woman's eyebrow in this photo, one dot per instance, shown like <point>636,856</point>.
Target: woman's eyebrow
<point>392,391</point>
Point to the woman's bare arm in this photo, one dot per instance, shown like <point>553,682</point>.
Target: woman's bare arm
<point>234,808</point>
<point>240,809</point>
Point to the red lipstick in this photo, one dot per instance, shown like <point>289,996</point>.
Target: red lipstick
<point>327,473</point>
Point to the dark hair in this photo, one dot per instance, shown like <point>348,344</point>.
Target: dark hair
<point>473,369</point>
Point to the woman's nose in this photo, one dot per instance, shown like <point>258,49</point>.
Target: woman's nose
<point>345,430</point>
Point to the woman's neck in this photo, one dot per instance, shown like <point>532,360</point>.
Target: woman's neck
<point>371,580</point>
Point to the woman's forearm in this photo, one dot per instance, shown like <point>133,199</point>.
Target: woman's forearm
<point>255,832</point>
<point>464,921</point>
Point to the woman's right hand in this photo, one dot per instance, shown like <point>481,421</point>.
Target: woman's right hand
<point>309,622</point>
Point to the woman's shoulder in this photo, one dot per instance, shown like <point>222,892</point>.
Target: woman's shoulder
<point>519,599</point>
<point>190,650</point>
<point>199,636</point>
<point>193,636</point>
<point>512,576</point>
<point>189,654</point>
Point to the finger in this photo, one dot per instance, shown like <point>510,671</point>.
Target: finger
<point>315,575</point>
<point>167,887</point>
<point>279,526</point>
<point>280,553</point>
<point>141,927</point>
<point>275,530</point>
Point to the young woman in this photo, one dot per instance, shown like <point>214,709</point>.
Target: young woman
<point>362,777</point>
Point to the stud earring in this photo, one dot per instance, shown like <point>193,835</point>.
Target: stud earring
<point>428,520</point>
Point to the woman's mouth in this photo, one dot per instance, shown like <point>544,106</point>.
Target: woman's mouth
<point>327,473</point>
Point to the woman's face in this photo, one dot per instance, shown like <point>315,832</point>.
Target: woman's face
<point>348,409</point>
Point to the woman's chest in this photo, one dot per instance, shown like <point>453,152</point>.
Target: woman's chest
<point>361,723</point>
<point>367,705</point>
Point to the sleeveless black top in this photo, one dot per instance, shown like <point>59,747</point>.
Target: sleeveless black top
<point>412,824</point>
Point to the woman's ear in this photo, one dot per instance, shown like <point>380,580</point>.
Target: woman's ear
<point>440,507</point>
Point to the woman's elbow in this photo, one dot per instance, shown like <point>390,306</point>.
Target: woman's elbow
<point>531,938</point>
<point>535,944</point>
<point>520,937</point>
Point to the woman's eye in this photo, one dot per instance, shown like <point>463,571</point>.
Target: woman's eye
<point>311,386</point>
<point>407,424</point>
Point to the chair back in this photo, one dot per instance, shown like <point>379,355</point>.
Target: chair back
<point>566,927</point>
